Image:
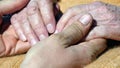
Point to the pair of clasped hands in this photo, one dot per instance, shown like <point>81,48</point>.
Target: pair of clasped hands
<point>76,39</point>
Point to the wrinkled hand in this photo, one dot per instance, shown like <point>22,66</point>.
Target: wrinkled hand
<point>59,51</point>
<point>106,17</point>
<point>35,21</point>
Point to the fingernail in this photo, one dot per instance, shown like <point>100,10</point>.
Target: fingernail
<point>23,38</point>
<point>86,19</point>
<point>50,28</point>
<point>42,37</point>
<point>33,42</point>
<point>56,32</point>
<point>21,34</point>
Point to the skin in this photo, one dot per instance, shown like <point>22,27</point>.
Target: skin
<point>38,17</point>
<point>10,44</point>
<point>7,7</point>
<point>65,48</point>
<point>65,52</point>
<point>107,18</point>
<point>10,6</point>
<point>106,22</point>
<point>9,41</point>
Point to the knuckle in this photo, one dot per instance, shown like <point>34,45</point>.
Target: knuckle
<point>70,9</point>
<point>32,9</point>
<point>73,10</point>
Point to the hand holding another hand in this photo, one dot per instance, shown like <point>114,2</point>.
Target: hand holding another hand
<point>62,51</point>
<point>106,18</point>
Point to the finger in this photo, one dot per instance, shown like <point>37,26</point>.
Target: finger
<point>81,10</point>
<point>21,47</point>
<point>74,33</point>
<point>67,16</point>
<point>74,18</point>
<point>16,25</point>
<point>13,46</point>
<point>9,6</point>
<point>46,8</point>
<point>29,33</point>
<point>88,51</point>
<point>2,47</point>
<point>9,38</point>
<point>27,29</point>
<point>36,21</point>
<point>105,31</point>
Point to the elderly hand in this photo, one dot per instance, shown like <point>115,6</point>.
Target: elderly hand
<point>60,51</point>
<point>36,21</point>
<point>106,22</point>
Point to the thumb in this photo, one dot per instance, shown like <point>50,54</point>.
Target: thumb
<point>9,6</point>
<point>75,32</point>
<point>104,31</point>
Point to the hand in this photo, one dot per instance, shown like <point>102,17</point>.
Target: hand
<point>60,51</point>
<point>10,44</point>
<point>106,22</point>
<point>35,21</point>
<point>10,6</point>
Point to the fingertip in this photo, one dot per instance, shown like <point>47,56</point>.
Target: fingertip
<point>16,25</point>
<point>50,28</point>
<point>47,13</point>
<point>22,37</point>
<point>42,37</point>
<point>86,19</point>
<point>33,42</point>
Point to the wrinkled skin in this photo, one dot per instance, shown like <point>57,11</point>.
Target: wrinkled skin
<point>38,17</point>
<point>106,17</point>
<point>62,53</point>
